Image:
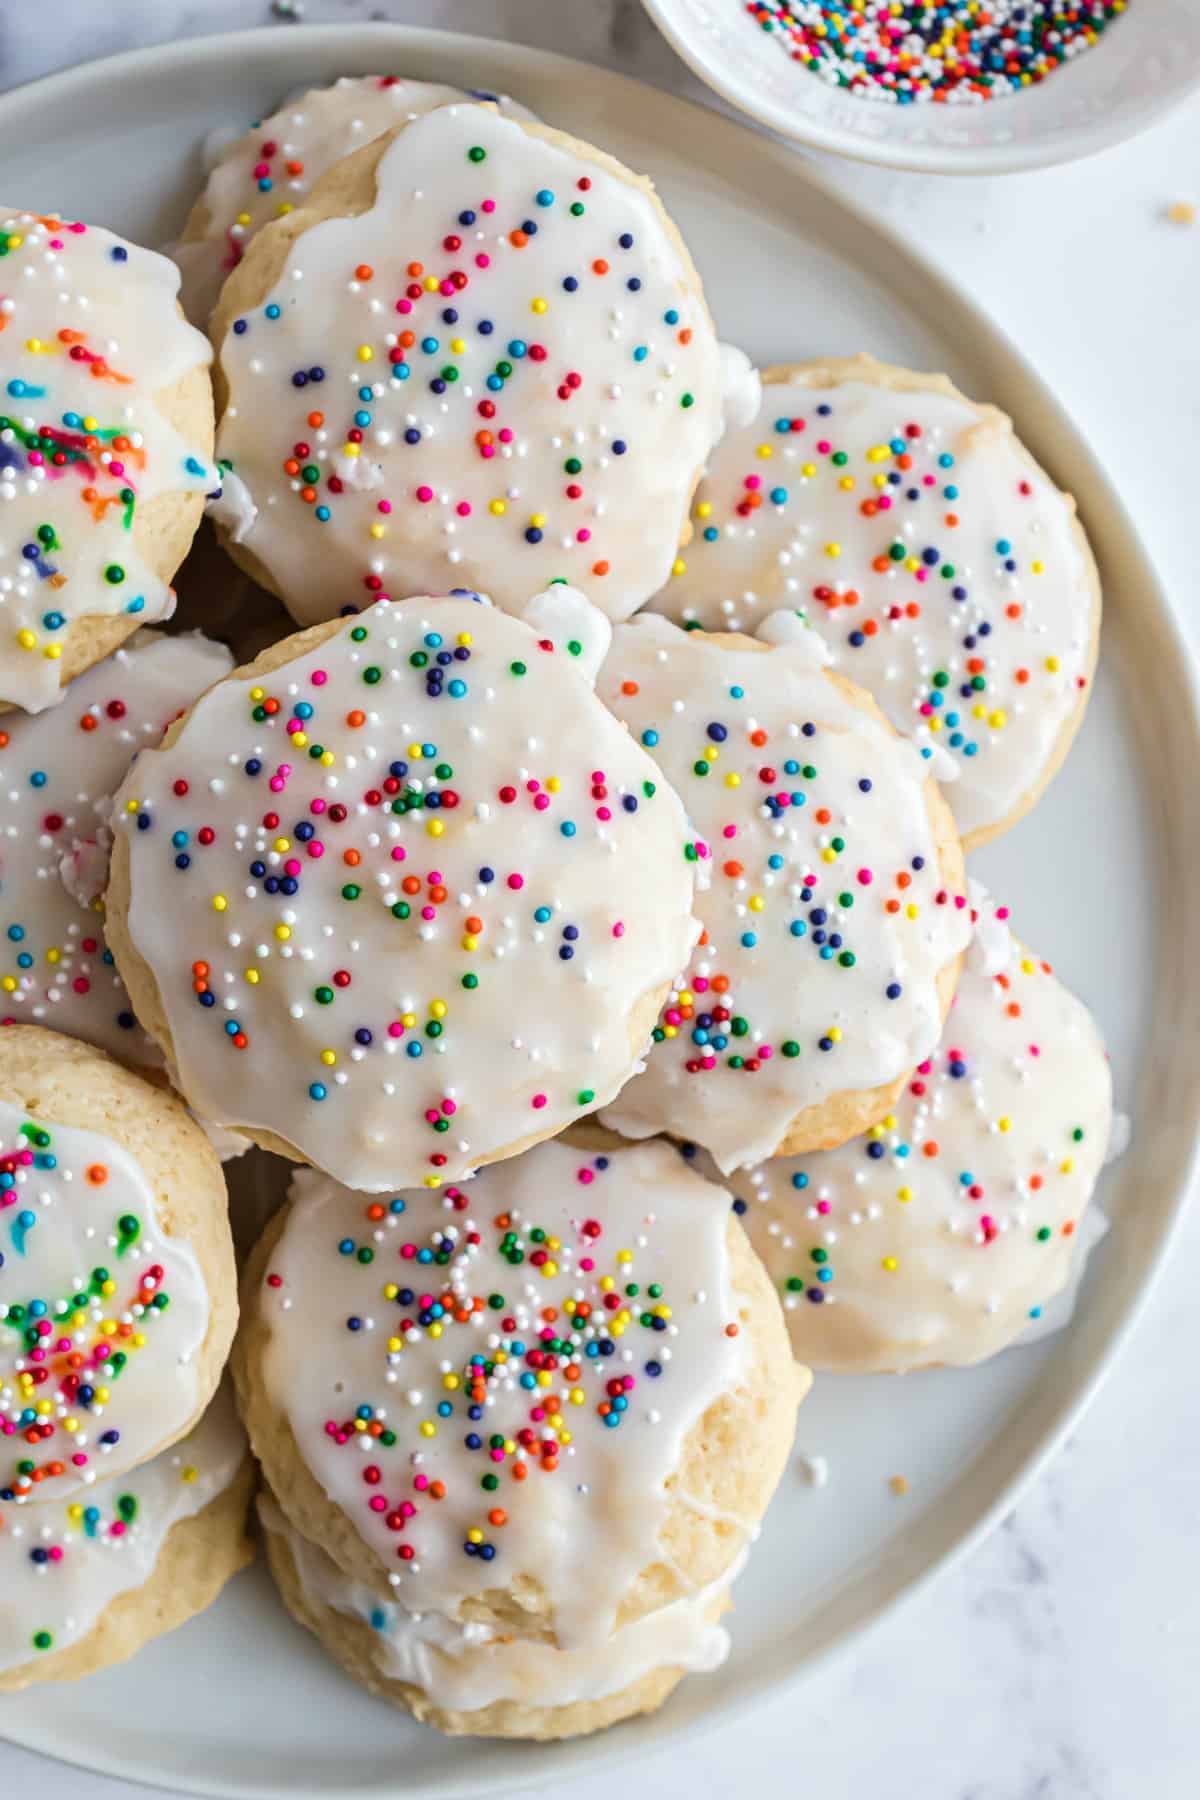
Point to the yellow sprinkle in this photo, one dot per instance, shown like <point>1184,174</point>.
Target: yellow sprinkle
<point>833,550</point>
<point>190,1474</point>
<point>219,903</point>
<point>670,1031</point>
<point>475,1536</point>
<point>498,507</point>
<point>300,739</point>
<point>847,484</point>
<point>428,1428</point>
<point>408,1020</point>
<point>835,1032</point>
<point>538,519</point>
<point>329,1057</point>
<point>437,1009</point>
<point>27,640</point>
<point>704,510</point>
<point>283,209</point>
<point>998,719</point>
<point>243,218</point>
<point>470,942</point>
<point>539,305</point>
<point>415,752</point>
<point>829,855</point>
<point>252,976</point>
<point>258,693</point>
<point>457,345</point>
<point>890,1264</point>
<point>435,828</point>
<point>577,1397</point>
<point>679,567</point>
<point>377,530</point>
<point>711,752</point>
<point>430,284</point>
<point>878,453</point>
<point>53,651</point>
<point>395,1345</point>
<point>764,451</point>
<point>1065,1167</point>
<point>464,640</point>
<point>283,933</point>
<point>624,1256</point>
<point>607,1284</point>
<point>899,1486</point>
<point>364,353</point>
<point>351,450</point>
<point>1052,665</point>
<point>756,903</point>
<point>8,984</point>
<point>733,779</point>
<point>905,1194</point>
<point>390,1291</point>
<point>71,1425</point>
<point>912,910</point>
<point>686,997</point>
<point>808,470</point>
<point>553,784</point>
<point>1004,1124</point>
<point>1037,568</point>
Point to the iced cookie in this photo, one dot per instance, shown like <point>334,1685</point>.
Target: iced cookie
<point>946,572</point>
<point>836,908</point>
<point>479,356</point>
<point>474,1680</point>
<point>402,897</point>
<point>106,437</point>
<point>531,1413</point>
<point>58,775</point>
<point>271,169</point>
<point>84,1583</point>
<point>117,1285</point>
<point>941,1235</point>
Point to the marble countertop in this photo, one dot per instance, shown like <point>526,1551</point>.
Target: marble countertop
<point>1059,1661</point>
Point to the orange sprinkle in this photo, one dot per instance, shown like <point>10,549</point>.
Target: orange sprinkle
<point>352,858</point>
<point>630,687</point>
<point>363,272</point>
<point>97,1174</point>
<point>600,568</point>
<point>355,719</point>
<point>88,722</point>
<point>599,267</point>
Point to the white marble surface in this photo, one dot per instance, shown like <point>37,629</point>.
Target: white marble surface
<point>1060,1662</point>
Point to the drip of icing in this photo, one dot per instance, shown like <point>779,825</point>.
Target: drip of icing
<point>1119,1137</point>
<point>102,1314</point>
<point>940,1235</point>
<point>946,573</point>
<point>63,1562</point>
<point>570,621</point>
<point>232,508</point>
<point>1057,1312</point>
<point>787,626</point>
<point>539,396</point>
<point>58,773</point>
<point>827,922</point>
<point>992,946</point>
<point>91,337</point>
<point>741,388</point>
<point>405,1349</point>
<point>431,878</point>
<point>466,1667</point>
<point>259,175</point>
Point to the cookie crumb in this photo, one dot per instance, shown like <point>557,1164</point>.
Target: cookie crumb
<point>815,1470</point>
<point>898,1485</point>
<point>1181,212</point>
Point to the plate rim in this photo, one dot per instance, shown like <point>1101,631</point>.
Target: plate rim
<point>1046,422</point>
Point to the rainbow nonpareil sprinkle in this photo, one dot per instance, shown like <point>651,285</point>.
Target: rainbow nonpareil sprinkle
<point>912,52</point>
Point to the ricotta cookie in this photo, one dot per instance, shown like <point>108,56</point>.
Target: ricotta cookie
<point>948,574</point>
<point>87,1582</point>
<point>268,171</point>
<point>117,1284</point>
<point>402,897</point>
<point>941,1236</point>
<point>479,356</point>
<point>836,909</point>
<point>58,774</point>
<point>106,437</point>
<point>542,1408</point>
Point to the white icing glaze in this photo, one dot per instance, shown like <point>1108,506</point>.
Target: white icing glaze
<point>779,521</point>
<point>266,172</point>
<point>63,1562</point>
<point>466,1667</point>
<point>583,398</point>
<point>231,507</point>
<point>584,1502</point>
<point>58,774</point>
<point>101,1313</point>
<point>572,624</point>
<point>90,335</point>
<point>741,385</point>
<point>802,946</point>
<point>922,1241</point>
<point>494,989</point>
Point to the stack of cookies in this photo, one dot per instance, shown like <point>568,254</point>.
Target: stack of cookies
<point>613,984</point>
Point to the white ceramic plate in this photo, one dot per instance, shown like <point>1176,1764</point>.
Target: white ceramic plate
<point>1146,62</point>
<point>241,1702</point>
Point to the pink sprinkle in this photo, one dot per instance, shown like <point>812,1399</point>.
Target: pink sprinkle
<point>516,881</point>
<point>404,306</point>
<point>539,1100</point>
<point>583,535</point>
<point>420,1482</point>
<point>79,1459</point>
<point>399,853</point>
<point>317,806</point>
<point>449,1108</point>
<point>56,1554</point>
<point>291,866</point>
<point>487,206</point>
<point>603,814</point>
<point>618,929</point>
<point>884,503</point>
<point>865,877</point>
<point>483,261</point>
<point>754,481</point>
<point>315,848</point>
<point>319,677</point>
<point>424,495</point>
<point>585,1175</point>
<point>700,985</point>
<point>463,509</point>
<point>587,1264</point>
<point>377,1503</point>
<point>1002,912</point>
<point>116,468</point>
<point>824,446</point>
<point>395,1029</point>
<point>542,802</point>
<point>730,831</point>
<point>385,506</point>
<point>765,1053</point>
<point>277,784</point>
<point>116,1529</point>
<point>506,436</point>
<point>822,1207</point>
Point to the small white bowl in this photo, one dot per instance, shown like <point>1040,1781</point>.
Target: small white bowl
<point>1146,62</point>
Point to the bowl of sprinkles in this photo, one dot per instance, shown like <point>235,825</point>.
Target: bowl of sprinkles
<point>983,87</point>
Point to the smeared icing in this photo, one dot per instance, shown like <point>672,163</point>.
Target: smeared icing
<point>497,1383</point>
<point>401,895</point>
<point>90,336</point>
<point>516,379</point>
<point>940,1235</point>
<point>826,921</point>
<point>58,775</point>
<point>266,172</point>
<point>466,1667</point>
<point>63,1562</point>
<point>101,1313</point>
<point>945,571</point>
